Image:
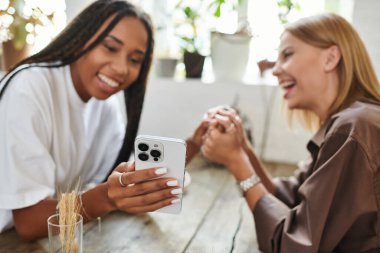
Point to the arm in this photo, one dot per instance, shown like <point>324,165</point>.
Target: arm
<point>145,193</point>
<point>225,118</point>
<point>260,169</point>
<point>226,148</point>
<point>194,143</point>
<point>95,201</point>
<point>284,189</point>
<point>287,187</point>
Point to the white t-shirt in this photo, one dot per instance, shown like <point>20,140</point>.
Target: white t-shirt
<point>49,138</point>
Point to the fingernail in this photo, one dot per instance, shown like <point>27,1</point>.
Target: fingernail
<point>175,201</point>
<point>176,191</point>
<point>161,171</point>
<point>172,183</point>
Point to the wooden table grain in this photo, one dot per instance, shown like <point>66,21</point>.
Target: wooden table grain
<point>214,218</point>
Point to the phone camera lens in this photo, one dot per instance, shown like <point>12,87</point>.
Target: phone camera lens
<point>143,147</point>
<point>155,153</point>
<point>155,159</point>
<point>143,156</point>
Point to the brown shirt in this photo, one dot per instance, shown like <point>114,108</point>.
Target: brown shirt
<point>332,204</point>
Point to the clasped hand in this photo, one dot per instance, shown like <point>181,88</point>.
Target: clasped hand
<point>221,135</point>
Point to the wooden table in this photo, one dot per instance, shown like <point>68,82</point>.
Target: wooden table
<point>214,219</point>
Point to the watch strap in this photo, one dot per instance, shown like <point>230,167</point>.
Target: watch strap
<point>248,183</point>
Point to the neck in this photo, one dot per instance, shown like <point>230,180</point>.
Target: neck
<point>325,103</point>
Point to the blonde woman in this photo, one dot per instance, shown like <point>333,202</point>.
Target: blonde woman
<point>332,204</point>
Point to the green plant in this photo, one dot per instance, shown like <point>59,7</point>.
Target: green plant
<point>216,6</point>
<point>194,13</point>
<point>285,6</point>
<point>187,28</point>
<point>19,20</point>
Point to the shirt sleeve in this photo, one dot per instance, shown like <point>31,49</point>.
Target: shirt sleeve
<point>329,203</point>
<point>26,166</point>
<point>286,188</point>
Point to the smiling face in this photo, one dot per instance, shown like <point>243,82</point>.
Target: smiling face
<point>114,64</point>
<point>306,75</point>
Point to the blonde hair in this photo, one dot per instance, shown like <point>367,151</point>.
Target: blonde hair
<point>356,74</point>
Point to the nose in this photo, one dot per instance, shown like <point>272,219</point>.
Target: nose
<point>276,69</point>
<point>120,65</point>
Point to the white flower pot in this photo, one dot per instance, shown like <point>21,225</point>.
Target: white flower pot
<point>229,55</point>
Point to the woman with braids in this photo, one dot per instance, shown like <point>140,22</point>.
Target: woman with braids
<point>61,124</point>
<point>332,203</point>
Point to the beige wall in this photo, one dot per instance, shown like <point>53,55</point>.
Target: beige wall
<point>366,19</point>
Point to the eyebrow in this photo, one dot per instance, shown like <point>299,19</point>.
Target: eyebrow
<point>122,43</point>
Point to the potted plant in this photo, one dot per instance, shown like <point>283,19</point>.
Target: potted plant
<point>187,30</point>
<point>230,46</point>
<point>18,22</point>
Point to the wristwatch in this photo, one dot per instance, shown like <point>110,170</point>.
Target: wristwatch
<point>248,183</point>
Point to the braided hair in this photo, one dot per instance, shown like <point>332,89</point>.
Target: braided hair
<point>69,46</point>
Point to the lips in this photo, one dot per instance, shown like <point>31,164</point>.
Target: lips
<point>287,86</point>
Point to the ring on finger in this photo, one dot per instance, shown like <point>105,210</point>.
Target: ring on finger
<point>121,180</point>
<point>230,127</point>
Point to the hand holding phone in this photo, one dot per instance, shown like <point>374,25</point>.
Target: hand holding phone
<point>170,153</point>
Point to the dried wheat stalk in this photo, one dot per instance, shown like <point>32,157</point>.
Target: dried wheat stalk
<point>68,210</point>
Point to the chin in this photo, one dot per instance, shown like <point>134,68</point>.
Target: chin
<point>101,96</point>
<point>291,105</point>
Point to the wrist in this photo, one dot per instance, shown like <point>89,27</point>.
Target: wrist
<point>192,144</point>
<point>109,205</point>
<point>247,146</point>
<point>240,166</point>
<point>191,149</point>
<point>248,183</point>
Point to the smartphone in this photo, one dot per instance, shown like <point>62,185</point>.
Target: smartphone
<point>156,151</point>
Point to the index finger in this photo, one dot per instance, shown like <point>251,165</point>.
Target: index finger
<point>125,167</point>
<point>138,176</point>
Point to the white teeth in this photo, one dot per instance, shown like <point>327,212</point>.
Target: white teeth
<point>108,81</point>
<point>287,84</point>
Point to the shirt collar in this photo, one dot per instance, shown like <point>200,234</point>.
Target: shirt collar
<point>319,137</point>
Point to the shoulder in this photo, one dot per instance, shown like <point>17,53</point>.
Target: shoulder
<point>41,77</point>
<point>359,123</point>
<point>358,119</point>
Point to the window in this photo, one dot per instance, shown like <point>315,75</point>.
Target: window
<point>262,16</point>
<point>46,33</point>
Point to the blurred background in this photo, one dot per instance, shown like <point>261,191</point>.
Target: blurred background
<point>208,52</point>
